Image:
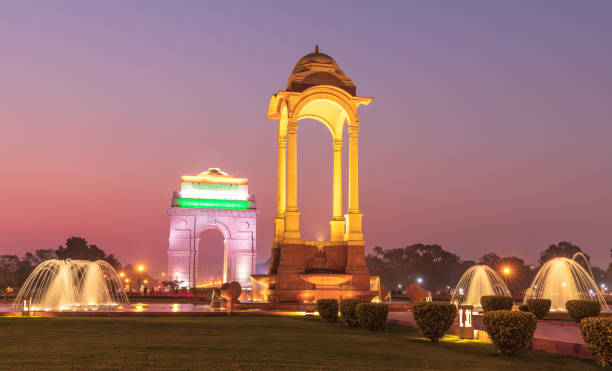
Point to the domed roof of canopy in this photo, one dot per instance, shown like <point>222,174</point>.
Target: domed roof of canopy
<point>319,69</point>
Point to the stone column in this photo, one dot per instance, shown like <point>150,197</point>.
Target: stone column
<point>292,215</point>
<point>282,177</point>
<point>353,217</point>
<point>337,222</point>
<point>281,190</point>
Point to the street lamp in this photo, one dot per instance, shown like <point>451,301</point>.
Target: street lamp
<point>507,271</point>
<point>419,280</point>
<point>140,269</point>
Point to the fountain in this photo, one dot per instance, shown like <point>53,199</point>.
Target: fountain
<point>77,285</point>
<point>477,281</point>
<point>562,279</point>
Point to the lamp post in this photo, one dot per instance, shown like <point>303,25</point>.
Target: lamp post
<point>466,329</point>
<point>507,272</point>
<point>140,270</point>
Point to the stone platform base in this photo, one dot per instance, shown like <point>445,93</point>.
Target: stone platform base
<point>311,296</point>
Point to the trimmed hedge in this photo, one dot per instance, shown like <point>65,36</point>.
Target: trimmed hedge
<point>434,318</point>
<point>496,302</point>
<point>597,335</point>
<point>510,331</point>
<point>373,316</point>
<point>348,310</point>
<point>579,309</point>
<point>539,307</point>
<point>328,309</point>
<point>523,308</point>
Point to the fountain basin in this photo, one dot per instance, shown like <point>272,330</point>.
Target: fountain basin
<point>326,280</point>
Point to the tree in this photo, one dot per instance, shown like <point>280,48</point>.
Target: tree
<point>520,275</point>
<point>491,259</point>
<point>562,249</point>
<point>599,275</point>
<point>609,271</point>
<point>13,271</point>
<point>78,249</point>
<point>39,256</point>
<point>437,268</point>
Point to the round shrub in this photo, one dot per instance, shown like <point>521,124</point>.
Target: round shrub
<point>348,310</point>
<point>597,335</point>
<point>328,309</point>
<point>579,309</point>
<point>539,307</point>
<point>510,331</point>
<point>434,318</point>
<point>373,316</point>
<point>496,302</point>
<point>523,308</point>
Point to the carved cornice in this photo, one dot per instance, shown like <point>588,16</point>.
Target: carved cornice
<point>191,211</point>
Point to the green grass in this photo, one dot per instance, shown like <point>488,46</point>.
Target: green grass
<point>244,343</point>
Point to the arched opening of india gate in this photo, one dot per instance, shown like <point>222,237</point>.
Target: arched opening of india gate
<point>302,270</point>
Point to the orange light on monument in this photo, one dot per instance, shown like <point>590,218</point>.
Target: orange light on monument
<point>141,268</point>
<point>214,175</point>
<point>466,329</point>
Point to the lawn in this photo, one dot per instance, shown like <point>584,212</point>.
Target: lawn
<point>244,343</point>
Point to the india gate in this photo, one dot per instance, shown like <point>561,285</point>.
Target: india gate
<point>302,270</point>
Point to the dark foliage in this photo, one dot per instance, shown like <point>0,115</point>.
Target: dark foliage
<point>539,307</point>
<point>510,331</point>
<point>328,309</point>
<point>597,336</point>
<point>494,302</point>
<point>438,268</point>
<point>434,318</point>
<point>579,309</point>
<point>348,310</point>
<point>373,316</point>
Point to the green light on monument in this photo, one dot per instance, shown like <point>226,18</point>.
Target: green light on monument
<point>212,204</point>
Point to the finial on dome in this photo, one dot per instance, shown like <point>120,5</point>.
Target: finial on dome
<point>317,48</point>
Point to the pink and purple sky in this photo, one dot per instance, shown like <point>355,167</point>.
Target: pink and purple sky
<point>490,128</point>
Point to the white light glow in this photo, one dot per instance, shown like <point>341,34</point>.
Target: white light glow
<point>214,191</point>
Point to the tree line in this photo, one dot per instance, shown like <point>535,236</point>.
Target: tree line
<point>440,270</point>
<point>14,270</point>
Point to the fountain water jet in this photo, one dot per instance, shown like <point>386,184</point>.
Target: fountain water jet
<point>477,281</point>
<point>72,285</point>
<point>562,279</point>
